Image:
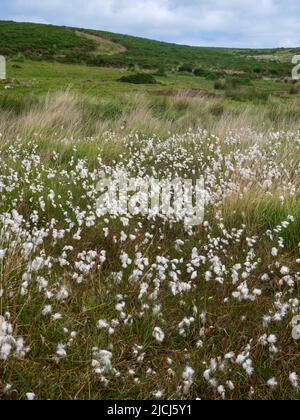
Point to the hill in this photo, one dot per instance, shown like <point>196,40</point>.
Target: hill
<point>73,45</point>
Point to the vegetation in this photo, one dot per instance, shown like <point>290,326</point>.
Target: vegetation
<point>70,45</point>
<point>139,79</point>
<point>101,305</point>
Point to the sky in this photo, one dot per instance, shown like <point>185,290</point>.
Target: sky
<point>224,23</point>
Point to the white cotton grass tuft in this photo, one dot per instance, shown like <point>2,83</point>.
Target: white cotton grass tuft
<point>158,334</point>
<point>294,379</point>
<point>30,396</point>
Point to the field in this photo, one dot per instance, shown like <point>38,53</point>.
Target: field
<point>135,305</point>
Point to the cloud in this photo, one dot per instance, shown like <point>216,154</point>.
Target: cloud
<point>231,23</point>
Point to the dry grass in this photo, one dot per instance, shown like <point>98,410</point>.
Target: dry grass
<point>66,114</point>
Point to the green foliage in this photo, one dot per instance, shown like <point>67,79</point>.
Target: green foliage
<point>34,40</point>
<point>208,74</point>
<point>186,68</point>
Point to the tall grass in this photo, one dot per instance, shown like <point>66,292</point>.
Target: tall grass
<point>67,114</point>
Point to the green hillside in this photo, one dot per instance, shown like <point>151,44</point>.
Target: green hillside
<point>71,45</point>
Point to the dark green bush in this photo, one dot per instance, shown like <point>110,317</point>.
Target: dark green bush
<point>249,94</point>
<point>295,89</point>
<point>186,68</point>
<point>200,72</point>
<point>16,66</point>
<point>234,82</point>
<point>220,84</point>
<point>139,79</point>
<point>258,70</point>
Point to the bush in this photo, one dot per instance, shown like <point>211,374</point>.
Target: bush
<point>248,94</point>
<point>258,70</point>
<point>161,72</point>
<point>220,84</point>
<point>295,89</point>
<point>200,72</point>
<point>19,58</point>
<point>186,68</point>
<point>234,82</point>
<point>139,79</point>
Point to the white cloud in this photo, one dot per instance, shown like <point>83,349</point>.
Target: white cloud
<point>233,23</point>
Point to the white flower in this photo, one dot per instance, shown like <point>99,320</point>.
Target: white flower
<point>272,339</point>
<point>57,317</point>
<point>47,310</point>
<point>294,379</point>
<point>2,253</point>
<point>188,374</point>
<point>158,394</point>
<point>265,278</point>
<point>102,324</point>
<point>272,383</point>
<point>284,271</point>
<point>61,352</point>
<point>158,334</point>
<point>37,264</point>
<point>30,396</point>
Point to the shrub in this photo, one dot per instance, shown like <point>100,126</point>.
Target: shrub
<point>295,89</point>
<point>248,94</point>
<point>234,82</point>
<point>19,58</point>
<point>186,68</point>
<point>258,70</point>
<point>200,72</point>
<point>16,66</point>
<point>220,84</point>
<point>139,79</point>
<point>161,72</point>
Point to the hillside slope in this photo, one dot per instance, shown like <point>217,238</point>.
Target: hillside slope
<point>100,48</point>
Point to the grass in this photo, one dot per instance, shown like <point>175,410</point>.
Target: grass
<point>104,99</point>
<point>213,290</point>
